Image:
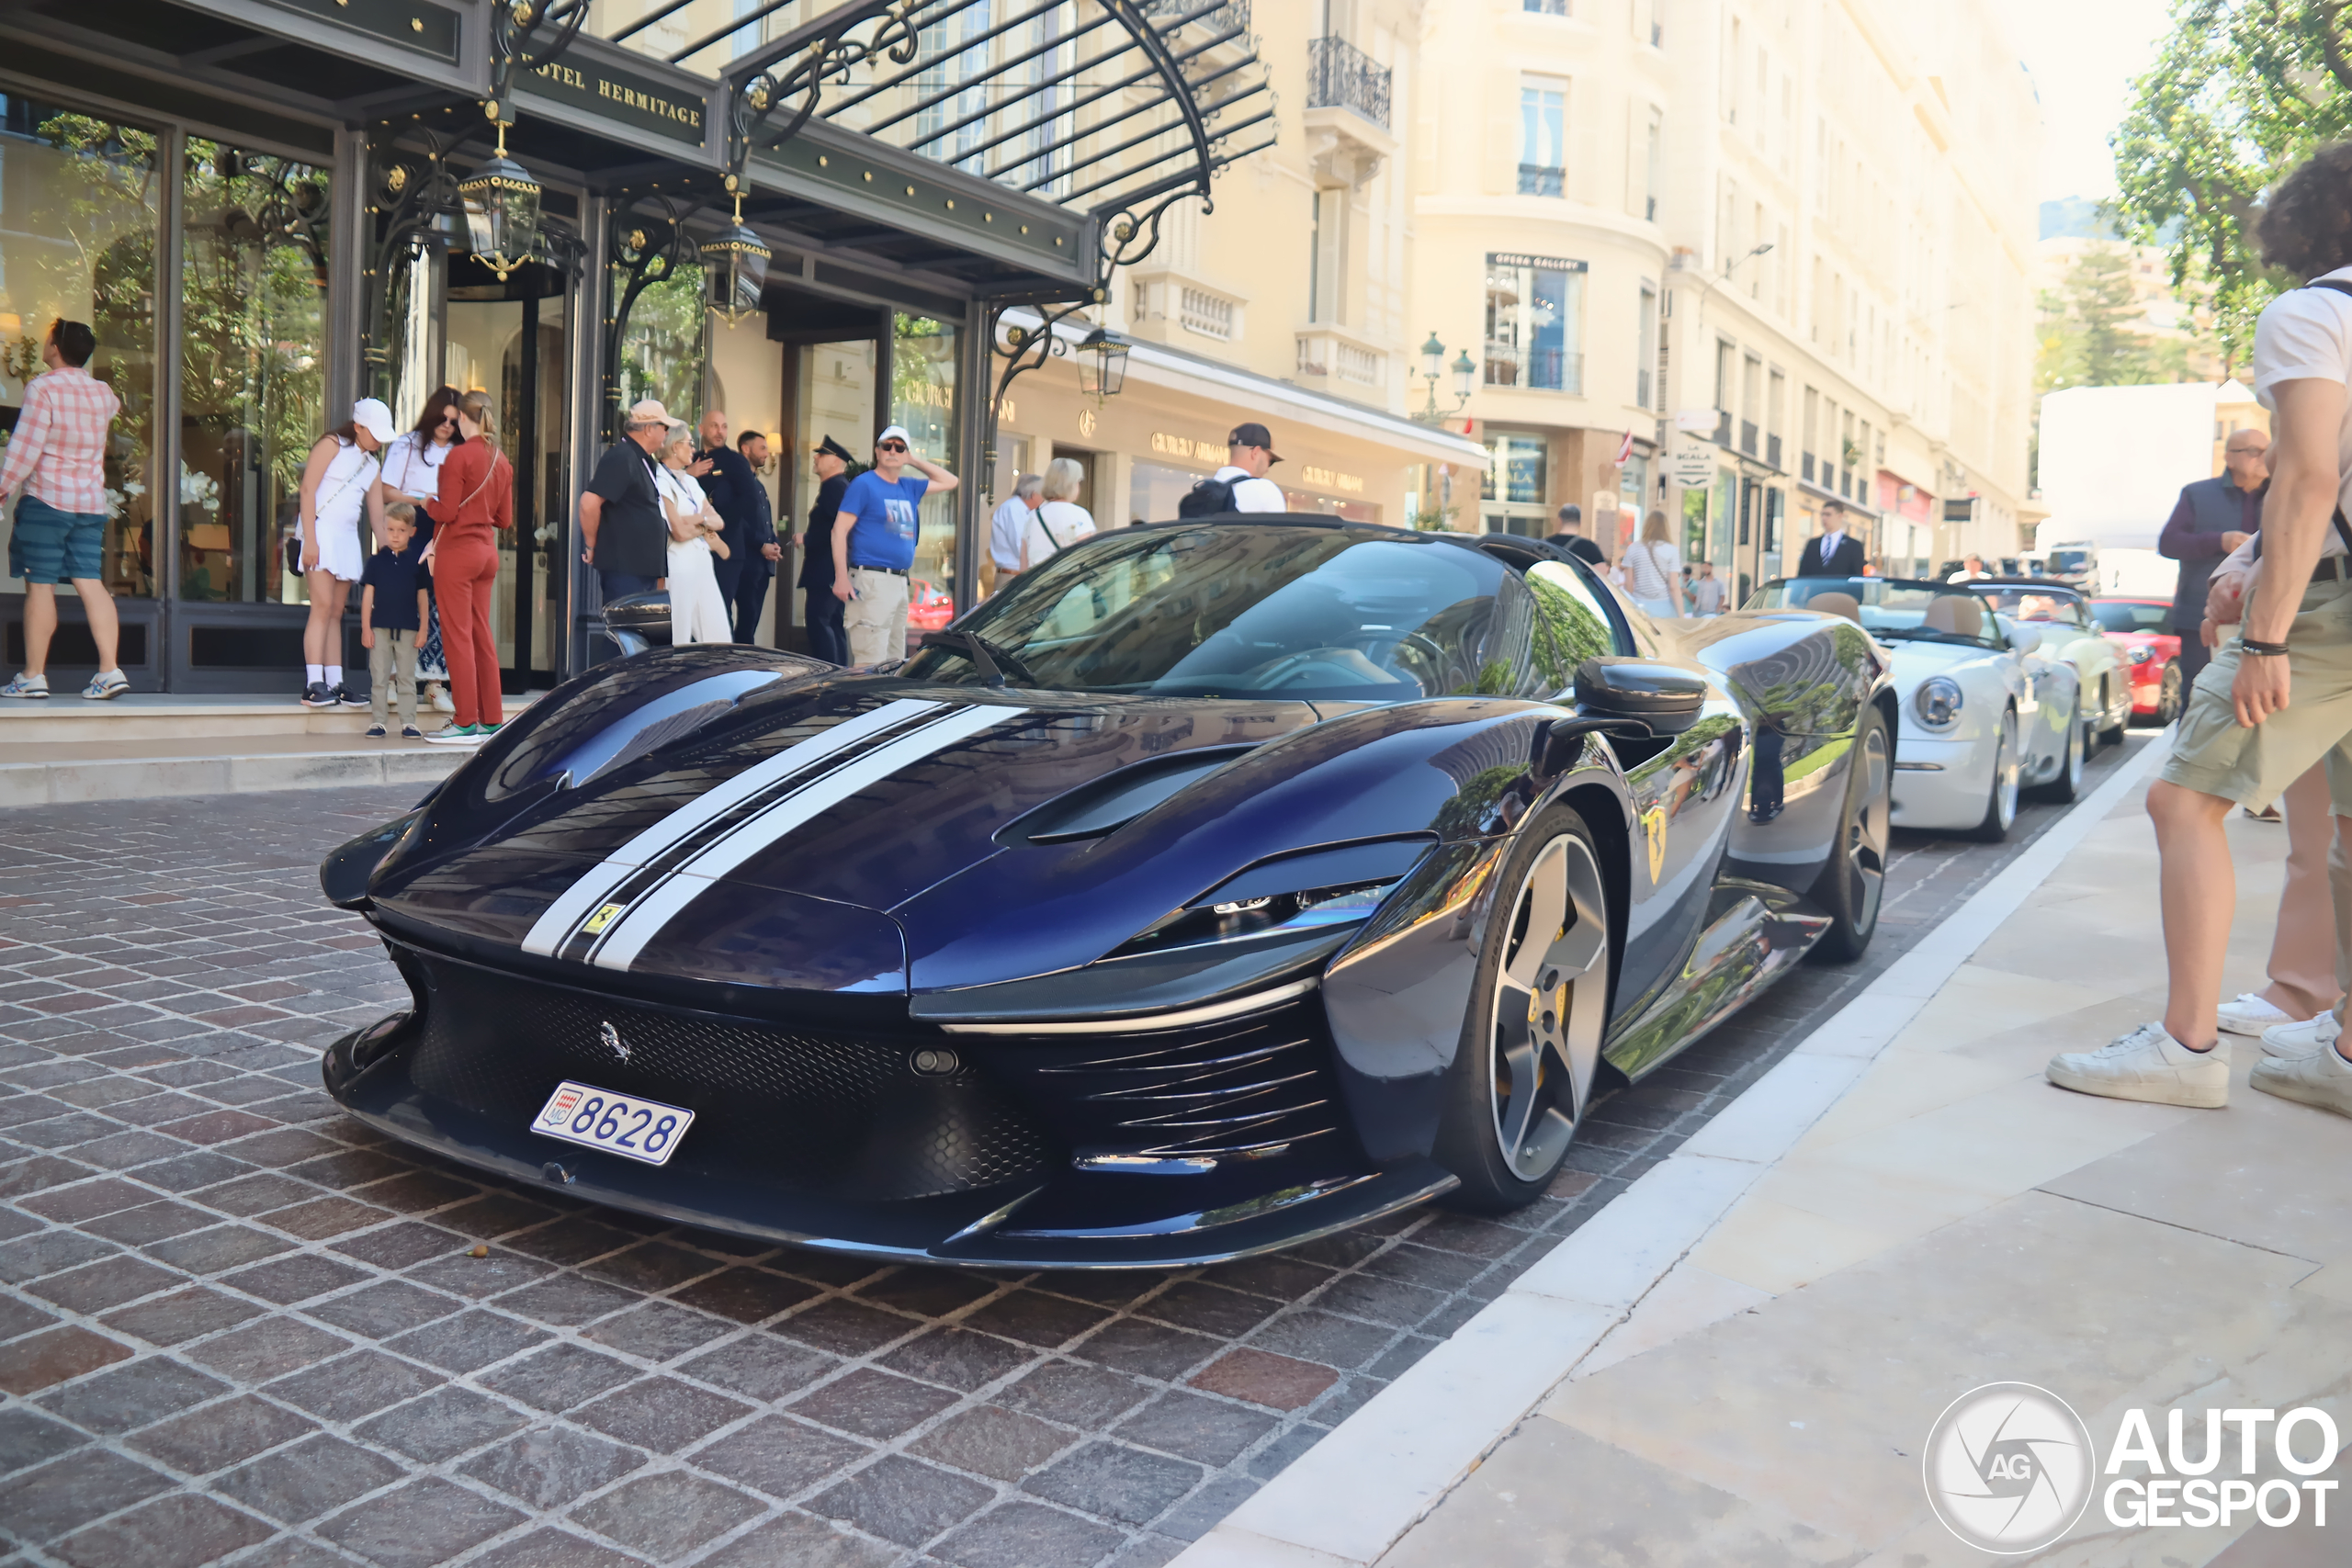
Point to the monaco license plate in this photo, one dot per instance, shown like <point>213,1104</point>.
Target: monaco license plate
<point>620,1123</point>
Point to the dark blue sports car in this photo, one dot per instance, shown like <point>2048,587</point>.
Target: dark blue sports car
<point>1220,883</point>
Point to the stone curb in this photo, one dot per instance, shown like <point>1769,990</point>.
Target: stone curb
<point>1354,1496</point>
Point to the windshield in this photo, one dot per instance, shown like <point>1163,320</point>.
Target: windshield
<point>1890,609</point>
<point>2123,615</point>
<point>2042,606</point>
<point>2069,561</point>
<point>1357,614</point>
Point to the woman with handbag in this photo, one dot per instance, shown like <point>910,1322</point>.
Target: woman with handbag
<point>1059,521</point>
<point>341,481</point>
<point>1654,571</point>
<point>412,473</point>
<point>475,503</point>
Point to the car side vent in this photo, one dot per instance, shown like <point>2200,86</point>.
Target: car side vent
<point>1102,805</point>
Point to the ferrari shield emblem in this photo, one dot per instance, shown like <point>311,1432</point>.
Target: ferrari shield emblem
<point>601,919</point>
<point>1654,833</point>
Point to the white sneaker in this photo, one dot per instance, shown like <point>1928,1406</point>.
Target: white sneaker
<point>442,701</point>
<point>2292,1042</point>
<point>2324,1078</point>
<point>2150,1065</point>
<point>2250,1015</point>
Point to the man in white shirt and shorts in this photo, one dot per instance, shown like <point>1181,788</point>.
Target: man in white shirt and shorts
<point>1250,452</point>
<point>2277,698</point>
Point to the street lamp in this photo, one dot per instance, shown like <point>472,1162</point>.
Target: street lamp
<point>501,203</point>
<point>1433,365</point>
<point>737,271</point>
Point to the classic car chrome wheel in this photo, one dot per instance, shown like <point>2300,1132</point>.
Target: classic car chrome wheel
<point>1550,1006</point>
<point>2001,804</point>
<point>2067,782</point>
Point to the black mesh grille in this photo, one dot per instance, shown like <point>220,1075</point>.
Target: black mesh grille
<point>1253,1087</point>
<point>811,1108</point>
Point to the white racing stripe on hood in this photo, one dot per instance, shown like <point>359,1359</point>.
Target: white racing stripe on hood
<point>578,901</point>
<point>645,919</point>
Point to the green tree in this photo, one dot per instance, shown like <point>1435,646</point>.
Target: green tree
<point>2241,91</point>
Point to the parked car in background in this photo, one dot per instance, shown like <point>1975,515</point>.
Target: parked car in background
<point>2069,632</point>
<point>929,607</point>
<point>2142,628</point>
<point>1983,715</point>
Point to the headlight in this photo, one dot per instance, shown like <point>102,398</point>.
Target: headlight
<point>2142,653</point>
<point>1938,702</point>
<point>1350,881</point>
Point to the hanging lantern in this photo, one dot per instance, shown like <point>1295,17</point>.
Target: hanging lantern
<point>1102,364</point>
<point>1466,375</point>
<point>735,270</point>
<point>501,211</point>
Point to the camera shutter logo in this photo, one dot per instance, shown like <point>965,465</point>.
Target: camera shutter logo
<point>2009,1468</point>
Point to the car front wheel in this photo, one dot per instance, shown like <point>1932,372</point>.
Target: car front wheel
<point>2068,781</point>
<point>2001,800</point>
<point>2168,695</point>
<point>1854,881</point>
<point>1530,1048</point>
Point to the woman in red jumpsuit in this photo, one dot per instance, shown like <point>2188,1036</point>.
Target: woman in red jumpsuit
<point>477,500</point>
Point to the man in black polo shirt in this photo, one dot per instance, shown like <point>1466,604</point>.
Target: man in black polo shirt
<point>622,534</point>
<point>827,638</point>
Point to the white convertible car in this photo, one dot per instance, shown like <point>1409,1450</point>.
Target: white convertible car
<point>2069,632</point>
<point>1985,716</point>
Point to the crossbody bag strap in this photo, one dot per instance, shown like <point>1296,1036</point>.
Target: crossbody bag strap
<point>2343,528</point>
<point>496,457</point>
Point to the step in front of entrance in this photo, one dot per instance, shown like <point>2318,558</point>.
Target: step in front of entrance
<point>51,774</point>
<point>66,720</point>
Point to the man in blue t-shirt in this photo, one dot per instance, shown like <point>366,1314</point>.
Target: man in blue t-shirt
<point>873,546</point>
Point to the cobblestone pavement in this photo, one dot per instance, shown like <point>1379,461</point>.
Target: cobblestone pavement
<point>234,1325</point>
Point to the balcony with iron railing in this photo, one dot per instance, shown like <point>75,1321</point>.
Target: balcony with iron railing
<point>1772,451</point>
<point>1340,75</point>
<point>1542,179</point>
<point>1748,436</point>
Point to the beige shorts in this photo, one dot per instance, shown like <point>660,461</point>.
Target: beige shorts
<point>877,619</point>
<point>2213,754</point>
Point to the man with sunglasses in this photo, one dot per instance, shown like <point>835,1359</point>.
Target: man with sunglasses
<point>873,546</point>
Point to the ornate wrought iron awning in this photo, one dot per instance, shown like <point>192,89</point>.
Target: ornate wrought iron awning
<point>1110,108</point>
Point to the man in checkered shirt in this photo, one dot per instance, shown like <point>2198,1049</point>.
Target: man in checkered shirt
<point>58,454</point>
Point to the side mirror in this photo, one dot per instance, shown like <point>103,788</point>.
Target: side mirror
<point>2025,640</point>
<point>639,622</point>
<point>1664,699</point>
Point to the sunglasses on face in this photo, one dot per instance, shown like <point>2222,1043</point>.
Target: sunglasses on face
<point>891,447</point>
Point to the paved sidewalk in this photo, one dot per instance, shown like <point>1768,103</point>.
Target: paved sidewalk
<point>1954,1220</point>
<point>236,1326</point>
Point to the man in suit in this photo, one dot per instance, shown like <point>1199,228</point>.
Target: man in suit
<point>759,561</point>
<point>729,481</point>
<point>2213,517</point>
<point>1832,552</point>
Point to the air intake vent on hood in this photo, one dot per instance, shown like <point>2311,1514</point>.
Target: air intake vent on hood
<point>1115,799</point>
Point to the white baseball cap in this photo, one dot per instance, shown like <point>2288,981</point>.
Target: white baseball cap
<point>901,432</point>
<point>370,415</point>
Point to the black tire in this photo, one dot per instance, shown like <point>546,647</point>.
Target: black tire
<point>2004,793</point>
<point>2068,782</point>
<point>1854,882</point>
<point>1529,1054</point>
<point>2171,691</point>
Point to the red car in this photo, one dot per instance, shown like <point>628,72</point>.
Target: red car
<point>929,607</point>
<point>2142,629</point>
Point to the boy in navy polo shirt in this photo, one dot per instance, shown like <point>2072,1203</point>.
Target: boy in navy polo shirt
<point>873,546</point>
<point>395,599</point>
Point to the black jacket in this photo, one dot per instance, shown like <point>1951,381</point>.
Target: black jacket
<point>2192,536</point>
<point>1846,560</point>
<point>817,562</point>
<point>740,500</point>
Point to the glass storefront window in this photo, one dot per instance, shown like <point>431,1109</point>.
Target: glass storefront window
<point>80,209</point>
<point>922,399</point>
<point>663,351</point>
<point>253,366</point>
<point>1514,470</point>
<point>1154,490</point>
<point>1535,322</point>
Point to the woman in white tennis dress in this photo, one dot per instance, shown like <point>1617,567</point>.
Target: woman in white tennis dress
<point>698,611</point>
<point>340,486</point>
